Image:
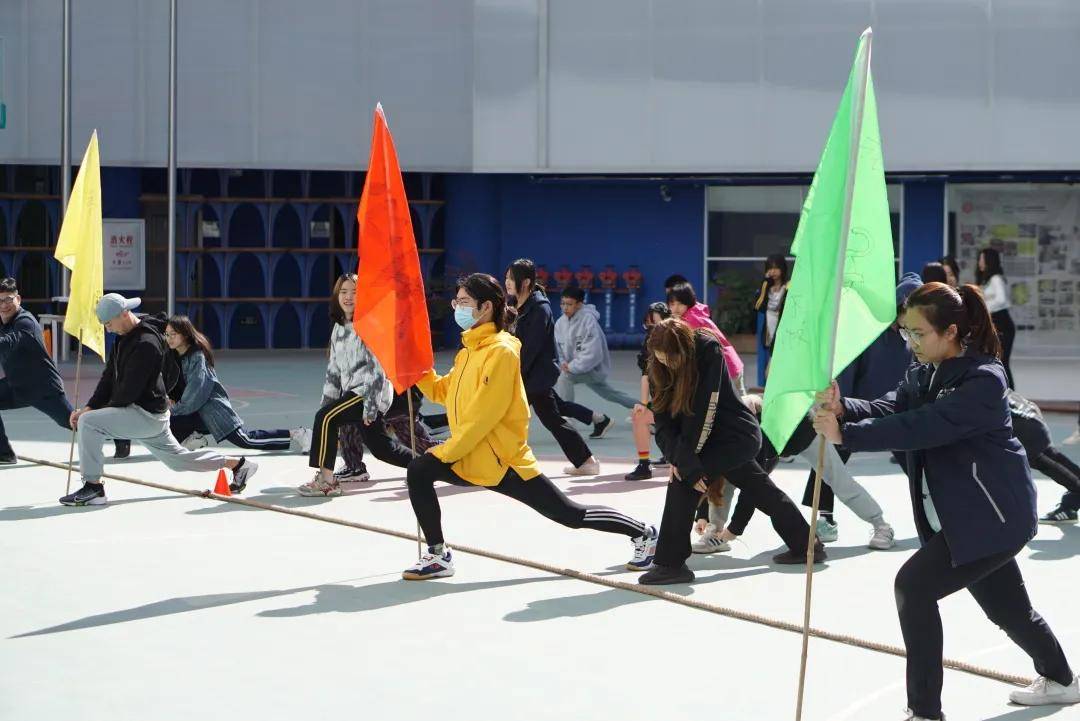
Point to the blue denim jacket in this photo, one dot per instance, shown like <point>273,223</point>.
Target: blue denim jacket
<point>204,394</point>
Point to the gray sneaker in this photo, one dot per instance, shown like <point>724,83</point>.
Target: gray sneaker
<point>827,532</point>
<point>241,475</point>
<point>883,539</point>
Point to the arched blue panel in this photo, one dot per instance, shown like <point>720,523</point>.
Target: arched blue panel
<point>287,328</point>
<point>327,184</point>
<point>287,184</point>
<point>319,330</point>
<point>246,329</point>
<point>286,281</point>
<point>210,326</point>
<point>286,232</point>
<point>32,276</point>
<point>3,228</point>
<point>321,215</point>
<point>32,226</point>
<point>320,278</point>
<point>246,228</point>
<point>246,277</point>
<point>206,182</point>
<point>210,286</point>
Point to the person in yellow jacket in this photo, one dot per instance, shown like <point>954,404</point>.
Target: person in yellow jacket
<point>488,446</point>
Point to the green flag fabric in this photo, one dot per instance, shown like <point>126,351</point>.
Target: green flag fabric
<point>801,362</point>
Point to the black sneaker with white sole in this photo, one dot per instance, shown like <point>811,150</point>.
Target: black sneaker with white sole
<point>91,494</point>
<point>641,473</point>
<point>352,475</point>
<point>242,473</point>
<point>601,427</point>
<point>1059,515</point>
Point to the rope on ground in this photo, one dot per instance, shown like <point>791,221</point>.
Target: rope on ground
<point>797,628</point>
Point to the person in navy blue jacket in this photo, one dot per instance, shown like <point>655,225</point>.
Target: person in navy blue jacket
<point>970,487</point>
<point>535,328</point>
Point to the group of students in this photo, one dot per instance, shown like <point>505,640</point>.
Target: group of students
<point>950,417</point>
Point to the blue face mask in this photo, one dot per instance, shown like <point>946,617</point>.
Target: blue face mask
<point>464,317</point>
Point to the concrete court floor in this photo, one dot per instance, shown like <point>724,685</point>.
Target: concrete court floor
<point>164,607</point>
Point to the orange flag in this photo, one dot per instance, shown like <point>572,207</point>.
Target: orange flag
<point>391,308</point>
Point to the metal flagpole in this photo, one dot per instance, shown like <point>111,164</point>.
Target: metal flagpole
<point>862,75</point>
<point>65,145</point>
<point>170,292</point>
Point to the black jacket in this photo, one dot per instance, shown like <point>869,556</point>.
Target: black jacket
<point>721,432</point>
<point>536,331</point>
<point>1028,425</point>
<point>132,375</point>
<point>31,373</point>
<point>955,427</point>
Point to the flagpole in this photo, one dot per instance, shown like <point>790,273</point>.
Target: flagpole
<point>170,290</point>
<point>71,448</point>
<point>862,75</point>
<point>412,442</point>
<point>65,147</point>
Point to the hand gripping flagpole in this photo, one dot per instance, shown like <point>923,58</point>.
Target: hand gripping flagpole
<point>71,449</point>
<point>861,78</point>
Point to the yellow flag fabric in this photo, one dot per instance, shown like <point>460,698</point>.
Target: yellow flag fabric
<point>79,249</point>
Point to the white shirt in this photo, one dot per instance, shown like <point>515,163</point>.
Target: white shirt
<point>996,294</point>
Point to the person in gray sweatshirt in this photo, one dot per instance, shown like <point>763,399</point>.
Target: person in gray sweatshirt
<point>583,351</point>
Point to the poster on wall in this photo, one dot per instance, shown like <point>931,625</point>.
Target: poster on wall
<point>125,253</point>
<point>1037,233</point>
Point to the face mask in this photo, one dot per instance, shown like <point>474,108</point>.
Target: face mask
<point>464,317</point>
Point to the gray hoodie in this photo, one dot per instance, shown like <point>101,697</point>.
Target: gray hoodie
<point>581,343</point>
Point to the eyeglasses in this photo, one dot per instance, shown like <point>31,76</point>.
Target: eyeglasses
<point>8,300</point>
<point>913,337</point>
<point>462,303</point>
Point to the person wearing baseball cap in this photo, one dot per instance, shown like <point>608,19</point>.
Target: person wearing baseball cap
<point>130,402</point>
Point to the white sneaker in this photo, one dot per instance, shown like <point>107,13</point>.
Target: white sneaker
<point>195,441</point>
<point>431,565</point>
<point>644,550</point>
<point>827,532</point>
<point>912,717</point>
<point>317,488</point>
<point>300,439</point>
<point>1074,438</point>
<point>883,539</point>
<point>708,542</point>
<point>1044,692</point>
<point>588,468</point>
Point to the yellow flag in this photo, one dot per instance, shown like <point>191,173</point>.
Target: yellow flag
<point>79,249</point>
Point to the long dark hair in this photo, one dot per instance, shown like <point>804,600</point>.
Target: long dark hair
<point>672,388</point>
<point>337,313</point>
<point>483,288</point>
<point>993,266</point>
<point>521,270</point>
<point>950,261</point>
<point>943,306</point>
<point>183,327</point>
<point>776,260</point>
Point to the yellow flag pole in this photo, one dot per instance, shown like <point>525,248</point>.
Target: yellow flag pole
<point>71,449</point>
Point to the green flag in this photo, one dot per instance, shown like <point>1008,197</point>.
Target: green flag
<point>820,334</point>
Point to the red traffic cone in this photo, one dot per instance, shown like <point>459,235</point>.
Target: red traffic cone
<point>222,486</point>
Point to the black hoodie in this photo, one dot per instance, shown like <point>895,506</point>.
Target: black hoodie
<point>536,331</point>
<point>721,432</point>
<point>31,372</point>
<point>132,375</point>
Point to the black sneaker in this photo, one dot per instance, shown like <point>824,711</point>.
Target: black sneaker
<point>601,427</point>
<point>666,575</point>
<point>8,459</point>
<point>791,558</point>
<point>123,449</point>
<point>641,473</point>
<point>1059,515</point>
<point>91,494</point>
<point>352,475</point>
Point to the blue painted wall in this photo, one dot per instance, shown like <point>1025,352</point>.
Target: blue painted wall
<point>493,219</point>
<point>924,224</point>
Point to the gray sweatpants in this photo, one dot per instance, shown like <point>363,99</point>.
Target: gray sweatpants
<point>835,472</point>
<point>139,425</point>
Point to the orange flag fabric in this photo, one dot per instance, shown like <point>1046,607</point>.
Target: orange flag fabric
<point>391,307</point>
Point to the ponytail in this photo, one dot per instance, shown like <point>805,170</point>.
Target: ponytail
<point>943,306</point>
<point>981,333</point>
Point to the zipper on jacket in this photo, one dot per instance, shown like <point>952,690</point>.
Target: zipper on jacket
<point>975,475</point>
<point>457,390</point>
<point>497,459</point>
